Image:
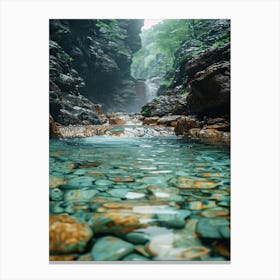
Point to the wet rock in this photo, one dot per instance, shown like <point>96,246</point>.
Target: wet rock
<point>123,179</point>
<point>134,195</point>
<point>103,182</point>
<point>116,120</point>
<point>137,237</point>
<point>154,180</point>
<point>215,120</point>
<point>80,195</point>
<point>117,222</point>
<point>55,182</point>
<point>222,247</point>
<point>120,193</point>
<point>118,249</point>
<point>74,207</point>
<point>169,120</point>
<point>164,193</point>
<point>54,129</point>
<point>125,216</point>
<point>194,132</point>
<point>57,207</point>
<point>80,182</point>
<point>56,194</point>
<point>142,250</point>
<point>151,121</point>
<point>185,124</point>
<point>215,212</point>
<point>213,228</point>
<point>164,105</point>
<point>218,126</point>
<point>210,88</point>
<point>71,257</point>
<point>67,235</point>
<point>173,218</point>
<point>85,164</point>
<point>85,258</point>
<point>135,257</point>
<point>188,183</point>
<point>198,205</point>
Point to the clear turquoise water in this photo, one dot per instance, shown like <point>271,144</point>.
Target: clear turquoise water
<point>166,177</point>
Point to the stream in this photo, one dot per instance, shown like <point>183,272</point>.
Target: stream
<point>145,198</point>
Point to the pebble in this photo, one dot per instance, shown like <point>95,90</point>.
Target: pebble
<point>56,207</point>
<point>79,182</point>
<point>198,205</point>
<point>213,228</point>
<point>120,193</point>
<point>137,237</point>
<point>80,195</point>
<point>71,257</point>
<point>118,249</point>
<point>123,179</point>
<point>134,195</point>
<point>154,180</point>
<point>74,207</point>
<point>55,182</point>
<point>103,182</point>
<point>173,219</point>
<point>215,212</point>
<point>85,258</point>
<point>135,257</point>
<point>56,194</point>
<point>67,235</point>
<point>189,183</point>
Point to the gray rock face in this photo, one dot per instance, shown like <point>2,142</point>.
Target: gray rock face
<point>209,87</point>
<point>92,57</point>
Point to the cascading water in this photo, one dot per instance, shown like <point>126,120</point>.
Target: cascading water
<point>152,86</point>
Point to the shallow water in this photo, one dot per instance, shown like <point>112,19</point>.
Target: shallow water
<point>164,197</point>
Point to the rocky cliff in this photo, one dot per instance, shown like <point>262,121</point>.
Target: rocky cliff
<point>90,65</point>
<point>201,78</point>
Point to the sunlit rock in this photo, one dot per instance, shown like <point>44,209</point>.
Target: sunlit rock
<point>67,235</point>
<point>118,249</point>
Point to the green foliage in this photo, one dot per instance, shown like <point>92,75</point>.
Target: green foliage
<point>58,55</point>
<point>161,42</point>
<point>111,28</point>
<point>146,111</point>
<point>185,93</point>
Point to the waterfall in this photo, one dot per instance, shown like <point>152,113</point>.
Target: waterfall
<point>152,86</point>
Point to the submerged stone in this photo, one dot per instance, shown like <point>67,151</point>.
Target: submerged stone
<point>137,237</point>
<point>55,182</point>
<point>196,183</point>
<point>118,249</point>
<point>198,205</point>
<point>103,182</point>
<point>174,219</point>
<point>123,179</point>
<point>56,194</point>
<point>213,228</point>
<point>80,195</point>
<point>71,257</point>
<point>135,257</point>
<point>85,258</point>
<point>56,207</point>
<point>67,235</point>
<point>80,182</point>
<point>215,212</point>
<point>120,193</point>
<point>134,195</point>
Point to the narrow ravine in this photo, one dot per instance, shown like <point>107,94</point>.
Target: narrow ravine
<point>139,162</point>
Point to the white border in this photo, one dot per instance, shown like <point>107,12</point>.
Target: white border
<point>255,138</point>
